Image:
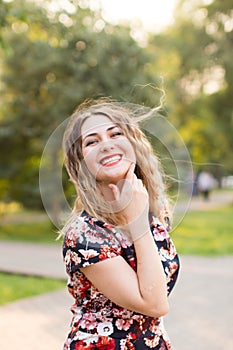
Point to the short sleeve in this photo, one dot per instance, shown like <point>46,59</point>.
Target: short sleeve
<point>86,244</point>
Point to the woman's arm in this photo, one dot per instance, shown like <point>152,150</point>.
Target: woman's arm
<point>144,291</point>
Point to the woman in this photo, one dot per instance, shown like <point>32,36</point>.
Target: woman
<point>119,257</point>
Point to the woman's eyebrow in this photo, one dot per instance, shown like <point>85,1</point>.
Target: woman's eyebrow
<point>112,127</point>
<point>89,135</point>
<point>95,133</point>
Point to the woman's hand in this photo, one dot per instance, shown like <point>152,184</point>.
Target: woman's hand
<point>132,201</point>
<point>143,290</point>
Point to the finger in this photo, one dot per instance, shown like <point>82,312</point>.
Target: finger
<point>139,182</point>
<point>130,173</point>
<point>115,191</point>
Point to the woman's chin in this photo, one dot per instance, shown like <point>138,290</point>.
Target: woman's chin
<point>113,178</point>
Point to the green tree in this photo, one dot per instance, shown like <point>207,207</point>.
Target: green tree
<point>51,62</point>
<point>195,56</point>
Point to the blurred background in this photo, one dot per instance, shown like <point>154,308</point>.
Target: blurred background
<point>55,54</point>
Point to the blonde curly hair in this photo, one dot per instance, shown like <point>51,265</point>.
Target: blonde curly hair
<point>148,167</point>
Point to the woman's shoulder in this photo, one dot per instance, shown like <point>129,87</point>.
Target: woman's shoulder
<point>85,228</point>
<point>75,222</point>
<point>83,236</point>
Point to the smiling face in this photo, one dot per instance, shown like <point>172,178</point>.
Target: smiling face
<point>107,152</point>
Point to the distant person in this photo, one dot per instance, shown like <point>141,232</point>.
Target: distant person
<point>119,257</point>
<point>194,187</point>
<point>205,183</point>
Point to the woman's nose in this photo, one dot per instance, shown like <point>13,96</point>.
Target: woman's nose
<point>106,146</point>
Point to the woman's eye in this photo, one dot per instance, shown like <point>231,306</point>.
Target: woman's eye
<point>91,142</point>
<point>117,133</point>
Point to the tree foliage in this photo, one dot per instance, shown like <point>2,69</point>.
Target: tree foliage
<point>198,70</point>
<point>54,58</point>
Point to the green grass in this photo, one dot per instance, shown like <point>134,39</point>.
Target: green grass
<point>42,232</point>
<point>208,233</point>
<point>14,287</point>
<point>205,233</point>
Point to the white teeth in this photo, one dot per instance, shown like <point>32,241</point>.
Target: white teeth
<point>110,160</point>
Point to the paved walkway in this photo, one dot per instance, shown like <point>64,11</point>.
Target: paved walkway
<point>217,199</point>
<point>200,314</point>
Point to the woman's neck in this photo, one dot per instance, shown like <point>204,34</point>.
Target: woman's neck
<point>106,192</point>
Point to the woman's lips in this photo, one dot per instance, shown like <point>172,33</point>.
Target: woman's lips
<point>111,160</point>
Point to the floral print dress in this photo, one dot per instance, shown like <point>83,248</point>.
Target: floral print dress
<point>97,322</point>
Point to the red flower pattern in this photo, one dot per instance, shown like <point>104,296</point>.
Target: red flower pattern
<point>88,241</point>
